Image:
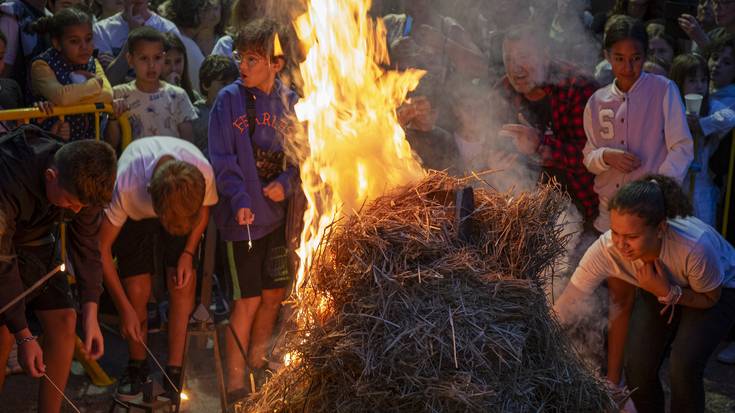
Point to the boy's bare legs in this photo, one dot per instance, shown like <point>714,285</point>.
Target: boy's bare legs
<point>241,320</point>
<point>265,321</point>
<point>59,330</point>
<point>138,291</point>
<point>6,346</point>
<point>181,304</point>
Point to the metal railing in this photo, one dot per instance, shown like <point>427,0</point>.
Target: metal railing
<point>25,115</point>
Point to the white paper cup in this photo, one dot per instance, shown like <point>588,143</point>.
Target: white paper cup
<point>693,103</point>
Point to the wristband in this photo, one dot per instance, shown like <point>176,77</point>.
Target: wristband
<point>20,341</point>
<point>672,297</point>
<point>188,253</point>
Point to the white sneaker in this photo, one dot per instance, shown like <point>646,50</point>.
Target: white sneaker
<point>727,355</point>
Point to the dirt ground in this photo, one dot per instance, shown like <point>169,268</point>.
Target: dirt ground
<point>19,394</point>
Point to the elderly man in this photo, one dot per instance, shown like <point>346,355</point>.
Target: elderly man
<point>546,102</point>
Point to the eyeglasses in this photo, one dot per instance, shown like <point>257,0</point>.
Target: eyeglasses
<point>250,59</point>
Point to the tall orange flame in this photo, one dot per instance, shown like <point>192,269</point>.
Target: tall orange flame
<point>356,148</point>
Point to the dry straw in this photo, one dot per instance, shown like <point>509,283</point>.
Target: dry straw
<point>400,314</point>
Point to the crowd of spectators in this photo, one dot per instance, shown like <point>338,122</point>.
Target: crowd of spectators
<point>591,94</point>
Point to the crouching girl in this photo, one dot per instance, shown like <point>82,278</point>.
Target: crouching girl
<point>671,280</point>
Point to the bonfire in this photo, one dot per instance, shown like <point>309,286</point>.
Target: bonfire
<point>403,311</point>
<point>410,297</point>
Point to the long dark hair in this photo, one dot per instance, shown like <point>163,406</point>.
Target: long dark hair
<point>654,198</point>
<point>172,42</point>
<point>686,65</point>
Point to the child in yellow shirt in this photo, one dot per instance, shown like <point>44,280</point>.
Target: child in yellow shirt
<point>67,73</point>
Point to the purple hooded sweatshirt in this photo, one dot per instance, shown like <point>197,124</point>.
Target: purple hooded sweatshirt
<point>231,154</point>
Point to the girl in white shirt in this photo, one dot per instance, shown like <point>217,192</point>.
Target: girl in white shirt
<point>636,125</point>
<point>670,276</point>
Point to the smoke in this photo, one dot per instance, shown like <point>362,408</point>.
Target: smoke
<point>469,112</point>
<point>585,316</point>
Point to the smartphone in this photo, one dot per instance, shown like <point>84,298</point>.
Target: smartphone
<point>672,11</point>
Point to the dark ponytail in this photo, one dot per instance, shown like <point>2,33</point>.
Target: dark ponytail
<point>55,25</point>
<point>654,198</point>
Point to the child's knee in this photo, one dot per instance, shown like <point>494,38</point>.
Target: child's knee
<point>62,326</point>
<point>272,299</point>
<point>183,296</point>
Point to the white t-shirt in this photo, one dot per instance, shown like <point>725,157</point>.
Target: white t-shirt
<point>695,254</point>
<point>130,198</point>
<point>194,58</point>
<point>158,113</point>
<point>648,121</point>
<point>111,33</point>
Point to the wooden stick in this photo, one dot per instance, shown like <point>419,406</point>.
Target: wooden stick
<point>37,284</point>
<point>150,353</point>
<point>61,393</point>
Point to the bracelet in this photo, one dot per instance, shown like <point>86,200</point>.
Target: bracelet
<point>188,253</point>
<point>672,297</point>
<point>20,341</point>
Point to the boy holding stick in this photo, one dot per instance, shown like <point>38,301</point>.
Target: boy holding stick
<point>43,182</point>
<point>246,136</point>
<point>162,196</point>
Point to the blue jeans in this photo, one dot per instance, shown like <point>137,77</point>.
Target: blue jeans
<point>692,337</point>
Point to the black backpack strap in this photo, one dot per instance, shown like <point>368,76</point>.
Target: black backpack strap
<point>250,111</point>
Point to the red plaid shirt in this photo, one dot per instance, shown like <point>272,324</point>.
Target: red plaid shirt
<point>567,99</point>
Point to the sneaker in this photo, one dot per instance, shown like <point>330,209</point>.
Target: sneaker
<point>131,383</point>
<point>174,373</point>
<point>727,355</point>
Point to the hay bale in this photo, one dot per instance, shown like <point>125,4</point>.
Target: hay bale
<point>400,314</point>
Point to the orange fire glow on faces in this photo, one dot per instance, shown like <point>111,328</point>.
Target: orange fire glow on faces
<point>356,148</point>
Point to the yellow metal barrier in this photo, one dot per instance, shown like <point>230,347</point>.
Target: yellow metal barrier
<point>25,115</point>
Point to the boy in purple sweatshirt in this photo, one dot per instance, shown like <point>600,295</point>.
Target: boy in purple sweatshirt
<point>246,132</point>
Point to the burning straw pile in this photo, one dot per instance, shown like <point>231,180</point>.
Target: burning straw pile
<point>400,314</point>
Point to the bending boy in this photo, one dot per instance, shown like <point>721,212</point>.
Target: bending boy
<point>161,200</point>
<point>43,182</point>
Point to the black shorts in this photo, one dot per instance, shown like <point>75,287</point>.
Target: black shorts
<point>264,267</point>
<point>141,244</point>
<point>35,262</point>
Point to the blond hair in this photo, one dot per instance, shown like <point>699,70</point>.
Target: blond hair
<point>177,189</point>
